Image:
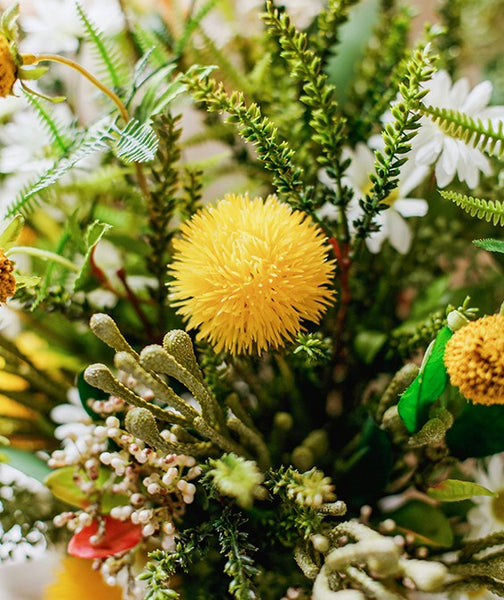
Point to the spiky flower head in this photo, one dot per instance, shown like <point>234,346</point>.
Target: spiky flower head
<point>7,279</point>
<point>474,359</point>
<point>247,273</point>
<point>237,477</point>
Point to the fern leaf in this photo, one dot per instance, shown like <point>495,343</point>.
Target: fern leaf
<point>487,136</point>
<point>57,134</point>
<point>138,142</point>
<point>490,210</point>
<point>152,44</point>
<point>108,56</point>
<point>193,23</point>
<point>96,142</point>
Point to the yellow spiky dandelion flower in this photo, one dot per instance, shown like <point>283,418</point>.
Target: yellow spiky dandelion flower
<point>7,279</point>
<point>247,273</point>
<point>76,579</point>
<point>474,359</point>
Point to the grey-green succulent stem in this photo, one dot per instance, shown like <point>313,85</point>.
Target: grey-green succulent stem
<point>371,587</point>
<point>251,439</point>
<point>131,365</point>
<point>305,562</point>
<point>218,439</point>
<point>100,376</point>
<point>105,329</point>
<point>156,358</point>
<point>233,401</point>
<point>471,547</point>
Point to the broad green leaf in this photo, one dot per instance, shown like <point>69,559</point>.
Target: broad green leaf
<point>454,490</point>
<point>62,485</point>
<point>490,245</point>
<point>426,522</point>
<point>26,462</point>
<point>427,387</point>
<point>10,234</point>
<point>30,281</point>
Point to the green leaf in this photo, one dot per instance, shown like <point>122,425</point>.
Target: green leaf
<point>11,232</point>
<point>27,462</point>
<point>137,143</point>
<point>490,245</point>
<point>454,490</point>
<point>368,343</point>
<point>94,234</point>
<point>426,522</point>
<point>477,432</point>
<point>428,385</point>
<point>62,485</point>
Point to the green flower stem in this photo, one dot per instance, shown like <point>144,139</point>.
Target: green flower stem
<point>44,255</point>
<point>253,440</point>
<point>34,59</point>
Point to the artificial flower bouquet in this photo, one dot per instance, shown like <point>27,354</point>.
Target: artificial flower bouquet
<point>251,276</point>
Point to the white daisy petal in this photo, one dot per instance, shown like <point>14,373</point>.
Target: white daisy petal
<point>399,233</point>
<point>411,207</point>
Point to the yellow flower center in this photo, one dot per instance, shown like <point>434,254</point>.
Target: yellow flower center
<point>474,359</point>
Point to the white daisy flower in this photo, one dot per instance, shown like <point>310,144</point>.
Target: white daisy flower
<point>393,226</point>
<point>451,156</point>
<point>487,516</point>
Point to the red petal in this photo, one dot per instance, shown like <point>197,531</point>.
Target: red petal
<point>119,537</point>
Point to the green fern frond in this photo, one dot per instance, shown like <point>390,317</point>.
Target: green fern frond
<point>154,44</point>
<point>57,132</point>
<point>96,141</point>
<point>474,132</point>
<point>255,128</point>
<point>490,210</point>
<point>109,57</point>
<point>138,142</point>
<point>192,24</point>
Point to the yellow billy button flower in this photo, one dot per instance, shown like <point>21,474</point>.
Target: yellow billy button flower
<point>77,580</point>
<point>8,68</point>
<point>7,279</point>
<point>474,359</point>
<point>248,272</point>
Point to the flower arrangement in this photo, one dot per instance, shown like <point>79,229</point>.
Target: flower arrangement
<point>251,287</point>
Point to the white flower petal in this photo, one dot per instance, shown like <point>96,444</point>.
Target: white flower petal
<point>411,207</point>
<point>399,233</point>
<point>478,98</point>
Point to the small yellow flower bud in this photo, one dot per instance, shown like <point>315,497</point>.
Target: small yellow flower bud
<point>8,68</point>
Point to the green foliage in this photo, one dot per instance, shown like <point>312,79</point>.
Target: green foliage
<point>255,128</point>
<point>137,143</point>
<point>454,490</point>
<point>59,135</point>
<point>490,210</point>
<point>490,245</point>
<point>305,67</point>
<point>329,21</point>
<point>488,137</point>
<point>428,385</point>
<point>237,549</point>
<point>109,57</point>
<point>397,136</point>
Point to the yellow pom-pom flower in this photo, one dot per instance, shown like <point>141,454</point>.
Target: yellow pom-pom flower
<point>248,272</point>
<point>474,359</point>
<point>7,279</point>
